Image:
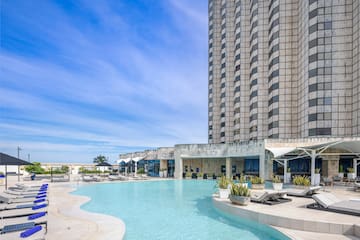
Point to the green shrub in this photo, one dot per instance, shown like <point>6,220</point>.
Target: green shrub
<point>239,190</point>
<point>223,182</point>
<point>351,170</point>
<point>200,174</point>
<point>317,170</point>
<point>276,179</point>
<point>301,181</point>
<point>141,171</point>
<point>242,179</point>
<point>188,174</point>
<point>256,180</point>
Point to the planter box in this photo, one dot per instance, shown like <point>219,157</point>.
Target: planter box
<point>288,178</point>
<point>257,186</point>
<point>239,200</point>
<point>224,193</point>
<point>351,176</point>
<point>165,174</point>
<point>161,174</point>
<point>277,186</point>
<point>317,179</point>
<point>341,175</point>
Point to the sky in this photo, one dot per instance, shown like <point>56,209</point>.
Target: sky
<point>84,78</point>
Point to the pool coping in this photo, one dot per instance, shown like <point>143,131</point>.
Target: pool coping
<point>65,214</point>
<point>286,222</point>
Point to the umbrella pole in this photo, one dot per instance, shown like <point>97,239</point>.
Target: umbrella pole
<point>6,177</point>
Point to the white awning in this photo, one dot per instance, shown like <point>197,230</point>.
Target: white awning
<point>280,151</point>
<point>136,159</point>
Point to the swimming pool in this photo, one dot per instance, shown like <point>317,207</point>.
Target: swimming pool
<point>174,209</point>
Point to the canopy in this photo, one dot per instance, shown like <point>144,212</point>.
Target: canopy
<point>9,160</point>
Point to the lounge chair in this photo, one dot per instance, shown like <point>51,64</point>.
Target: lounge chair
<point>22,212</point>
<point>306,192</point>
<point>25,230</point>
<point>31,205</point>
<point>88,179</point>
<point>6,199</point>
<point>38,218</point>
<point>269,197</point>
<point>328,202</point>
<point>356,186</point>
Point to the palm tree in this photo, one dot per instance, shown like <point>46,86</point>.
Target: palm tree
<point>100,159</point>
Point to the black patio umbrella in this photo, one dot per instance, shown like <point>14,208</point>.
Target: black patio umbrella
<point>13,161</point>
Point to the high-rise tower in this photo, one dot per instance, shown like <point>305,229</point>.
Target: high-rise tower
<point>283,69</point>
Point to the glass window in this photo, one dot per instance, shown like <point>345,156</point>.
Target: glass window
<point>253,105</point>
<point>222,124</point>
<point>237,78</point>
<point>327,101</point>
<point>313,58</point>
<point>312,117</point>
<point>237,89</point>
<point>313,87</point>
<point>312,72</point>
<point>313,28</point>
<point>253,83</point>
<point>312,102</point>
<point>313,14</point>
<point>222,115</point>
<point>253,117</point>
<point>253,94</point>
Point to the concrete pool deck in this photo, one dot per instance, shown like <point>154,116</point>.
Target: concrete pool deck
<point>297,221</point>
<point>67,221</point>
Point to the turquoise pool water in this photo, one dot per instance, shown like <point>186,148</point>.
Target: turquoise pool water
<point>174,209</point>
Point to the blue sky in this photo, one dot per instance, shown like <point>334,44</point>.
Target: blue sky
<point>83,78</point>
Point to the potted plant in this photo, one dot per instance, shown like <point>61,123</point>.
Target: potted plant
<point>239,195</point>
<point>188,175</point>
<point>165,173</point>
<point>351,173</point>
<point>161,173</point>
<point>257,182</point>
<point>276,182</point>
<point>317,176</point>
<point>301,181</point>
<point>242,181</point>
<point>288,175</point>
<point>223,183</point>
<point>341,172</point>
<point>200,175</point>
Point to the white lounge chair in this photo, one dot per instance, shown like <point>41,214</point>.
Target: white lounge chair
<point>19,220</point>
<point>12,235</point>
<point>269,197</point>
<point>356,186</point>
<point>306,192</point>
<point>328,202</point>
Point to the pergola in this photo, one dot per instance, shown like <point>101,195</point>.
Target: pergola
<point>338,147</point>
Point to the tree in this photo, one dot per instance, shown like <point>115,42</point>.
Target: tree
<point>35,168</point>
<point>100,159</point>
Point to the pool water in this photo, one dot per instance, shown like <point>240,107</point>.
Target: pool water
<point>174,209</point>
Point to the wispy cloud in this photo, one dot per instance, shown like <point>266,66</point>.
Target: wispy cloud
<point>86,78</point>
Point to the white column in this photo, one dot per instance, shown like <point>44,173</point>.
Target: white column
<point>285,171</point>
<point>135,168</point>
<point>262,165</point>
<point>178,167</point>
<point>355,160</point>
<point>228,168</point>
<point>313,156</point>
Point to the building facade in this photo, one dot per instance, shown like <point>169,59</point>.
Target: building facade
<point>283,69</point>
